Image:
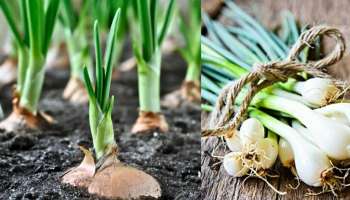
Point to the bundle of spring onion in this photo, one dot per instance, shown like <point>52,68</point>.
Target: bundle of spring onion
<point>75,24</point>
<point>190,27</point>
<point>109,177</point>
<point>147,42</point>
<point>32,33</point>
<point>314,130</point>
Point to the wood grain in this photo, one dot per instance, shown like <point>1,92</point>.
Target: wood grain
<point>217,185</point>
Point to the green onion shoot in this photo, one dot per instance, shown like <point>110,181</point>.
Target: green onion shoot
<point>109,177</point>
<point>75,25</point>
<point>147,42</point>
<point>32,31</point>
<point>190,27</point>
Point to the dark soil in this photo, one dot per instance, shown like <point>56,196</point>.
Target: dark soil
<point>31,162</point>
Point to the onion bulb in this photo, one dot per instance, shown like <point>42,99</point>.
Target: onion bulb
<point>318,91</point>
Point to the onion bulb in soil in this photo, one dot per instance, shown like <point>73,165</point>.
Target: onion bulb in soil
<point>115,179</point>
<point>149,121</point>
<point>112,179</point>
<point>109,178</point>
<point>8,71</point>
<point>21,118</point>
<point>188,93</point>
<point>75,91</point>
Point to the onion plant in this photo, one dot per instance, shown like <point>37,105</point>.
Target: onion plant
<point>317,135</point>
<point>147,42</point>
<point>190,27</point>
<point>32,31</point>
<point>108,177</point>
<point>75,25</point>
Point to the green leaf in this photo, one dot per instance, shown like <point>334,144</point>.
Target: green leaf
<point>50,21</point>
<point>109,57</point>
<point>4,4</point>
<point>166,22</point>
<point>104,136</point>
<point>24,20</point>
<point>98,55</point>
<point>154,5</point>
<point>68,14</point>
<point>35,14</point>
<point>146,28</point>
<point>88,84</point>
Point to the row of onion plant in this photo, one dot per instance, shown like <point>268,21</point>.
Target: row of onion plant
<point>303,112</point>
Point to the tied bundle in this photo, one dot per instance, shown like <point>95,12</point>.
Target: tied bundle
<point>294,108</point>
<point>264,75</point>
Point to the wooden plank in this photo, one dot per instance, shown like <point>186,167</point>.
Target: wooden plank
<point>217,185</point>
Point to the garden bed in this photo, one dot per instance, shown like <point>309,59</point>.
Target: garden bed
<point>32,162</point>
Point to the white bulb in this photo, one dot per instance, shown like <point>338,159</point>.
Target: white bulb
<point>233,165</point>
<point>251,131</point>
<point>318,91</point>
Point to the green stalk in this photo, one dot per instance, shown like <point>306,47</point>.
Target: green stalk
<point>147,50</point>
<point>100,102</point>
<point>78,51</point>
<point>33,83</point>
<point>193,72</point>
<point>190,29</point>
<point>149,84</point>
<point>23,62</point>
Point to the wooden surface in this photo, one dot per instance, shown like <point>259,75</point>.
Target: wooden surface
<point>217,185</point>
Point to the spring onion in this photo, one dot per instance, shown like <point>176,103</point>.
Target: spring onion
<point>109,177</point>
<point>147,42</point>
<point>32,35</point>
<point>312,165</point>
<point>190,27</point>
<point>75,25</point>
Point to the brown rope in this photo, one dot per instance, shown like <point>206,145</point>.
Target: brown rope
<point>264,75</point>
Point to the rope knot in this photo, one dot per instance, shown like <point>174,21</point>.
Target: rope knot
<point>271,71</point>
<point>266,74</point>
